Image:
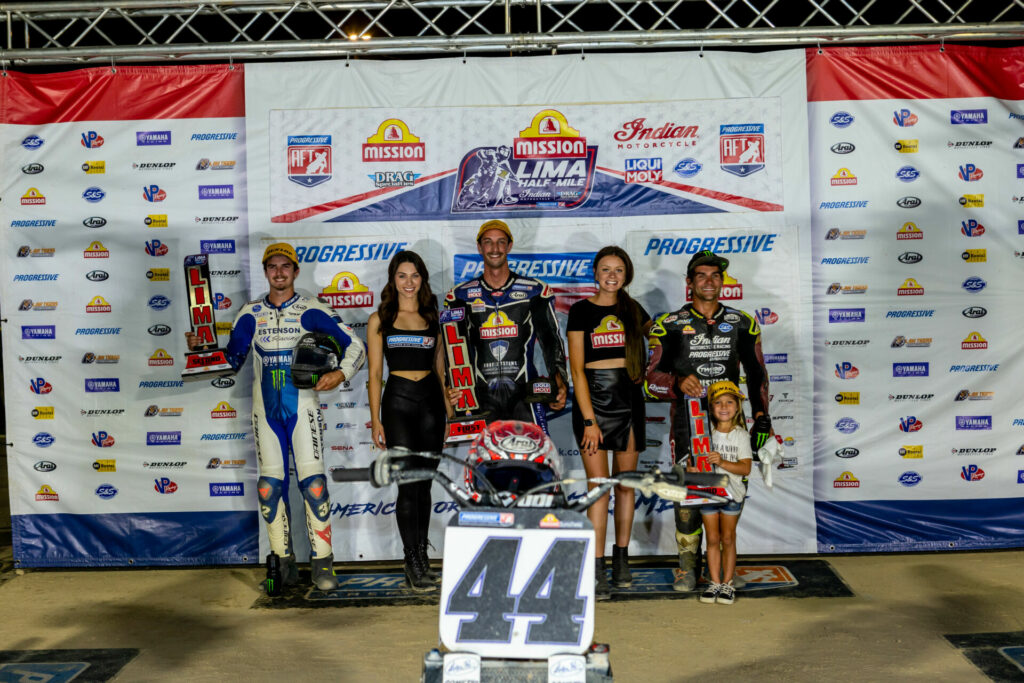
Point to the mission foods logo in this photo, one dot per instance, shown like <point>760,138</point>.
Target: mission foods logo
<point>909,231</point>
<point>345,291</point>
<point>223,410</point>
<point>33,197</point>
<point>393,142</point>
<point>161,358</point>
<point>843,176</point>
<point>96,250</point>
<point>846,480</point>
<point>973,341</point>
<point>741,148</point>
<point>548,167</point>
<point>97,305</point>
<point>910,287</point>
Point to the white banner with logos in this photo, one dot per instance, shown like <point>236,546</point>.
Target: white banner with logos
<point>672,150</point>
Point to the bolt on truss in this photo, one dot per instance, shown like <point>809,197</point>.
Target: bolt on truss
<point>75,32</point>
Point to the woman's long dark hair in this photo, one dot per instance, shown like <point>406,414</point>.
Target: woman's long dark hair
<point>388,309</point>
<point>627,311</point>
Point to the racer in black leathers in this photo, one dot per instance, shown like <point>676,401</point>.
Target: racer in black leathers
<point>505,321</point>
<point>504,325</point>
<point>686,343</point>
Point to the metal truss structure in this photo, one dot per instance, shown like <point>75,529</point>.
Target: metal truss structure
<point>77,32</point>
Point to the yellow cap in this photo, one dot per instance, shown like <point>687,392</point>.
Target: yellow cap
<point>494,224</point>
<point>281,249</point>
<point>721,388</point>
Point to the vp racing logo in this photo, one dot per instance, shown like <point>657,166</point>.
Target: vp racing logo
<point>548,167</point>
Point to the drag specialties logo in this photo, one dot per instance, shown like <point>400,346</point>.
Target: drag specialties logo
<point>741,148</point>
<point>345,291</point>
<point>843,176</point>
<point>548,167</point>
<point>393,178</point>
<point>608,334</point>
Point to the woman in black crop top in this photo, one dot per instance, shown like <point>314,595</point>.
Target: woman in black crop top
<point>411,413</point>
<point>606,356</point>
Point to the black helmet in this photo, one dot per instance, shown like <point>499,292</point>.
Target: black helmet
<point>314,356</point>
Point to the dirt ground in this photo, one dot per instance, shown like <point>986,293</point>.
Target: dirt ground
<point>198,625</point>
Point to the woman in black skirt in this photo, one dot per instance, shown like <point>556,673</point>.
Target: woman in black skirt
<point>606,356</point>
<point>411,413</point>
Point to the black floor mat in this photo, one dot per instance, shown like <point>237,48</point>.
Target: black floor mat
<point>788,578</point>
<point>1000,656</point>
<point>60,666</point>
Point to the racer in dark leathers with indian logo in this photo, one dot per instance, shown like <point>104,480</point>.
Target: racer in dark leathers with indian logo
<point>702,343</point>
<point>508,315</point>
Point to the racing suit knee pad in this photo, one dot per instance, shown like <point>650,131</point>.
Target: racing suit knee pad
<point>270,491</point>
<point>688,520</point>
<point>314,490</point>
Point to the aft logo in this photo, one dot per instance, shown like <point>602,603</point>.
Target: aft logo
<point>345,291</point>
<point>393,142</point>
<point>309,160</point>
<point>549,166</point>
<point>741,148</point>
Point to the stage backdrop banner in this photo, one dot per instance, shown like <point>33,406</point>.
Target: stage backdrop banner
<point>917,187</point>
<point>663,154</point>
<point>110,179</point>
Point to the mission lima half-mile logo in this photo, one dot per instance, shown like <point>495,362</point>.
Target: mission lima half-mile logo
<point>548,167</point>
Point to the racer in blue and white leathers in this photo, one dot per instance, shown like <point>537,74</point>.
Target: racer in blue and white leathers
<point>283,415</point>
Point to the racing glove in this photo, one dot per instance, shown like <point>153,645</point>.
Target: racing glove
<point>760,433</point>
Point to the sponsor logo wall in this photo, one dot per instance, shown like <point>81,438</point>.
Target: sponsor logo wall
<point>884,301</point>
<point>93,348</point>
<point>926,239</point>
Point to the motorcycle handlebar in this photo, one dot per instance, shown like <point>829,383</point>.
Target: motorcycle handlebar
<point>351,474</point>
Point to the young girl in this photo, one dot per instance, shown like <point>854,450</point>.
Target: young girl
<point>411,414</point>
<point>606,356</point>
<point>732,456</point>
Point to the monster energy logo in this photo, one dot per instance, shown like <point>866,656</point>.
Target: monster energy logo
<point>277,377</point>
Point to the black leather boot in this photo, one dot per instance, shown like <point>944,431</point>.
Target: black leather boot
<point>416,573</point>
<point>602,589</point>
<point>434,577</point>
<point>621,577</point>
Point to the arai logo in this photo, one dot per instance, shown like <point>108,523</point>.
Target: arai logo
<point>842,147</point>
